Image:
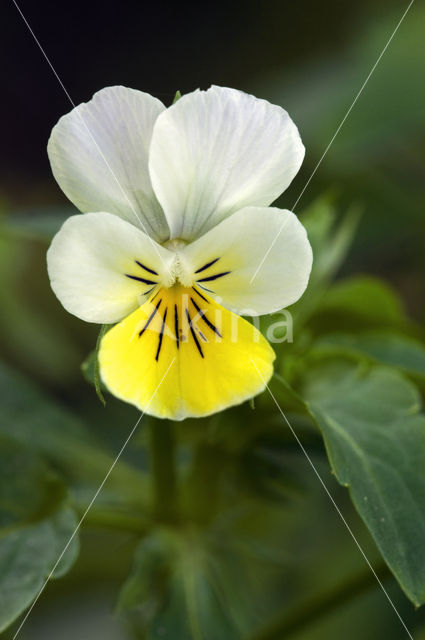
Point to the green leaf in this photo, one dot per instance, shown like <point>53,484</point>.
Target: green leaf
<point>27,556</point>
<point>87,368</point>
<point>360,302</point>
<point>30,333</point>
<point>391,349</point>
<point>330,240</point>
<point>30,417</point>
<point>172,591</point>
<point>177,96</point>
<point>375,438</point>
<point>147,582</point>
<point>36,523</point>
<point>28,492</point>
<point>90,366</point>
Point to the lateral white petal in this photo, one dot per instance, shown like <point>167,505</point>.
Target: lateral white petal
<point>99,157</point>
<point>255,262</point>
<point>90,261</point>
<point>214,152</point>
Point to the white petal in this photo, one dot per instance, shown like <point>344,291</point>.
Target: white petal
<point>99,157</point>
<point>88,261</point>
<point>217,151</point>
<point>264,255</point>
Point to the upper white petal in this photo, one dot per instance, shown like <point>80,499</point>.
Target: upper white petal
<point>266,253</point>
<point>99,156</point>
<point>216,151</point>
<point>88,261</point>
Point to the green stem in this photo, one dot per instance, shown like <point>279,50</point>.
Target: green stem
<point>116,521</point>
<point>309,612</point>
<point>202,483</point>
<point>163,467</point>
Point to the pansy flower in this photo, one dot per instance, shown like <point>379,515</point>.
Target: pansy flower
<point>177,241</point>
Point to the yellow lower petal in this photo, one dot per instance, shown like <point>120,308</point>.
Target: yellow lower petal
<point>181,354</point>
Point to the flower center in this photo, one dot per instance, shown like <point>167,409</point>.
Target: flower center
<point>175,244</point>
<point>183,315</point>
<point>178,274</point>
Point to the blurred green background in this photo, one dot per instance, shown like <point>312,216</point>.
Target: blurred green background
<point>309,57</point>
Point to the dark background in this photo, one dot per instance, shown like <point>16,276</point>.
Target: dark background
<point>157,47</point>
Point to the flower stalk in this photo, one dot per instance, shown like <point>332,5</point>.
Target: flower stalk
<point>163,469</point>
<point>203,482</point>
